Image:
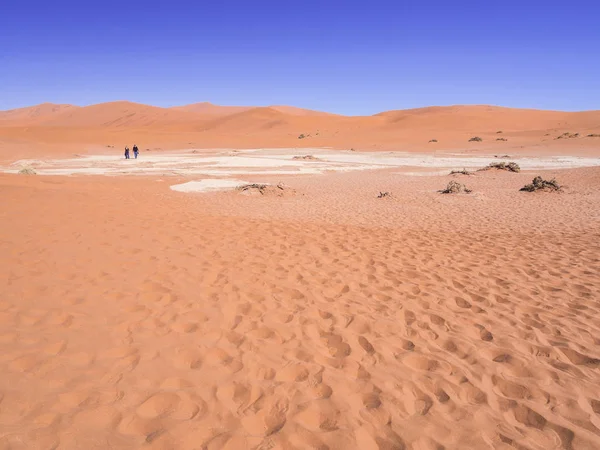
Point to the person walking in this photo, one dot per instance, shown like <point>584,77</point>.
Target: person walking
<point>126,152</point>
<point>135,151</point>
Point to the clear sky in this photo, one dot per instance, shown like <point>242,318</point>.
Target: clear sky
<point>349,57</point>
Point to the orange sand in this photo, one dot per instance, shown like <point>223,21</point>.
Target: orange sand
<point>133,316</point>
<point>63,129</point>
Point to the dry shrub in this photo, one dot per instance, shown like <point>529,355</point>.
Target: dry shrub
<point>455,188</point>
<point>384,195</point>
<point>27,171</point>
<point>279,190</point>
<point>475,139</point>
<point>510,167</point>
<point>539,184</point>
<point>568,135</point>
<point>433,140</point>
<point>306,158</point>
<point>461,172</point>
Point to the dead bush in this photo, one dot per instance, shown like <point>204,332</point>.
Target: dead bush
<point>510,167</point>
<point>456,188</point>
<point>27,171</point>
<point>568,136</point>
<point>461,172</point>
<point>539,184</point>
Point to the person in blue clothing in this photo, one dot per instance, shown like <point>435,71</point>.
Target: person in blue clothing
<point>126,152</point>
<point>135,151</point>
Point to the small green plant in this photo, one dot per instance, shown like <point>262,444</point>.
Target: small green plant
<point>475,139</point>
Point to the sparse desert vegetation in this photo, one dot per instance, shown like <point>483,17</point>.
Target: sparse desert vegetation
<point>433,140</point>
<point>302,136</point>
<point>593,135</point>
<point>539,184</point>
<point>501,139</point>
<point>454,187</point>
<point>510,167</point>
<point>475,139</point>
<point>385,194</point>
<point>27,171</point>
<point>461,172</point>
<point>568,136</point>
<point>306,158</point>
<point>278,190</point>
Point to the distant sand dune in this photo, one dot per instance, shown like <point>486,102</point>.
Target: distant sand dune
<point>61,128</point>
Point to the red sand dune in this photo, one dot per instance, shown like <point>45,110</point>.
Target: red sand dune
<point>205,125</point>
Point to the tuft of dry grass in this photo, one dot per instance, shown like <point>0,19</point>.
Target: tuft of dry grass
<point>568,135</point>
<point>510,167</point>
<point>461,172</point>
<point>306,158</point>
<point>475,139</point>
<point>27,171</point>
<point>539,184</point>
<point>456,188</point>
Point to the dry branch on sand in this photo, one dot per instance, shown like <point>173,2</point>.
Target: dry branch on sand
<point>568,135</point>
<point>475,139</point>
<point>461,172</point>
<point>455,188</point>
<point>539,184</point>
<point>385,194</point>
<point>306,158</point>
<point>278,190</point>
<point>510,167</point>
<point>27,171</point>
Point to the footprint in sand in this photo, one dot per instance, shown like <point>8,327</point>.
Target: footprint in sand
<point>292,373</point>
<point>238,397</point>
<point>167,404</point>
<point>320,416</point>
<point>219,359</point>
<point>268,420</point>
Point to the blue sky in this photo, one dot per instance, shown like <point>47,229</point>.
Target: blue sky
<point>346,57</point>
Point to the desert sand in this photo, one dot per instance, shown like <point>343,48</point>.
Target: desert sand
<point>62,130</point>
<point>316,316</point>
